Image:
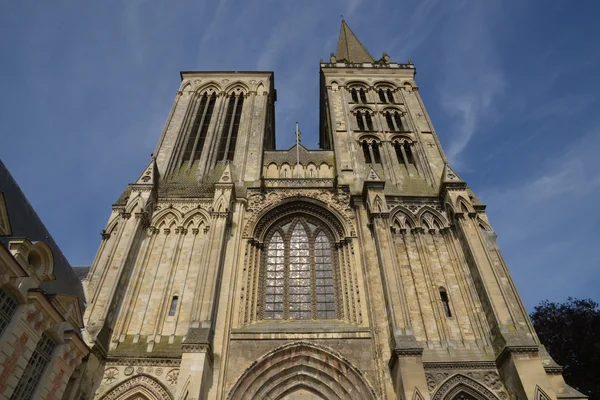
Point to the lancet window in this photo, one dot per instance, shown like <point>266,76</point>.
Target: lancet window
<point>358,95</point>
<point>197,137</point>
<point>385,95</point>
<point>394,121</point>
<point>299,273</point>
<point>364,122</point>
<point>371,151</point>
<point>404,153</point>
<point>230,128</point>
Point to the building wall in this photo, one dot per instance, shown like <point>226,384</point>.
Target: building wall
<point>424,304</point>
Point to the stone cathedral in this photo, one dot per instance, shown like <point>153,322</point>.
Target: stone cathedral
<point>366,269</point>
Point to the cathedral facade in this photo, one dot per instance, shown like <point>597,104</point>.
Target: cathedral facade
<point>366,269</point>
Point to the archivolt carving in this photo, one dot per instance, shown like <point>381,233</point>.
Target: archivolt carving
<point>461,383</point>
<point>332,208</point>
<point>141,385</point>
<point>302,365</point>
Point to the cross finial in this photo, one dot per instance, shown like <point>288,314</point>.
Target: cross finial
<point>342,15</point>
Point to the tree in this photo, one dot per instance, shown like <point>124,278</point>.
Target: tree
<point>571,333</point>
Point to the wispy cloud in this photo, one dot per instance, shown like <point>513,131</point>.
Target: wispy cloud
<point>473,77</point>
<point>545,220</point>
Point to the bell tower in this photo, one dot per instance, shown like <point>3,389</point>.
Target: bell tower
<point>218,117</point>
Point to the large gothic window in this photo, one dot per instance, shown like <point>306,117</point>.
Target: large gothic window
<point>195,141</point>
<point>299,272</point>
<point>230,128</point>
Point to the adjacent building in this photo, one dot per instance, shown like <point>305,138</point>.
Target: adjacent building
<point>41,306</point>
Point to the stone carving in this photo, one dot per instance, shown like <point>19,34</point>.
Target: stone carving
<point>258,202</point>
<point>299,360</point>
<point>111,374</point>
<point>128,371</point>
<point>172,377</point>
<point>459,382</point>
<point>492,380</point>
<point>131,387</point>
<point>158,371</point>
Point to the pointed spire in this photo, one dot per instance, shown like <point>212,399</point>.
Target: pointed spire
<point>350,48</point>
<point>226,175</point>
<point>449,177</point>
<point>150,174</point>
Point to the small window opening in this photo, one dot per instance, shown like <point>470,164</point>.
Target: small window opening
<point>390,96</point>
<point>445,302</point>
<point>382,96</point>
<point>390,122</point>
<point>409,156</point>
<point>354,96</point>
<point>359,121</point>
<point>363,97</point>
<point>398,121</point>
<point>398,153</point>
<point>173,308</point>
<point>369,121</point>
<point>366,152</point>
<point>376,153</point>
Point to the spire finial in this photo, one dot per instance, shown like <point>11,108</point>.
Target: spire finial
<point>342,15</point>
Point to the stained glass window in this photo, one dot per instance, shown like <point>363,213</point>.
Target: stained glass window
<point>275,278</point>
<point>324,278</point>
<point>299,273</point>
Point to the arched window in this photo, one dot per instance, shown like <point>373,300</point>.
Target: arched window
<point>376,154</point>
<point>354,95</point>
<point>369,121</point>
<point>394,121</point>
<point>360,121</point>
<point>366,152</point>
<point>173,308</point>
<point>299,281</point>
<point>385,95</point>
<point>195,141</point>
<point>398,149</point>
<point>445,302</point>
<point>231,127</point>
<point>363,97</point>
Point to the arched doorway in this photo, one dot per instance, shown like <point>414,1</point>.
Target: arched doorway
<point>461,387</point>
<point>139,387</point>
<point>302,371</point>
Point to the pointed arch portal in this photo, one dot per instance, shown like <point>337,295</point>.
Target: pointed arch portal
<point>299,369</point>
<point>461,387</point>
<point>140,387</point>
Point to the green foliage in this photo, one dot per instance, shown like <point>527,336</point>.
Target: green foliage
<point>571,333</point>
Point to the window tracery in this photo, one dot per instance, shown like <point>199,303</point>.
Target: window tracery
<point>299,281</point>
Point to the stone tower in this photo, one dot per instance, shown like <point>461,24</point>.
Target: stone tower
<point>367,270</point>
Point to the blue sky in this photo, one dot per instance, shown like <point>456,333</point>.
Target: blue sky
<point>511,87</point>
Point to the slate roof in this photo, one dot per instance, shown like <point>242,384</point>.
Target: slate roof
<point>350,49</point>
<point>25,223</point>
